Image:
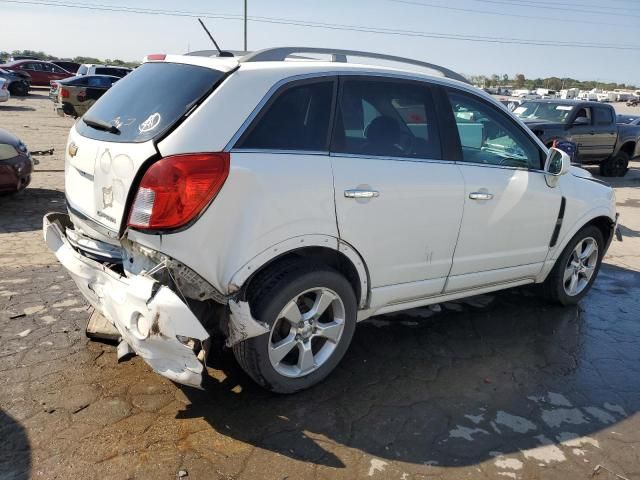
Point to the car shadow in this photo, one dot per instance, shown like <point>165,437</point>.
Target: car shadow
<point>497,373</point>
<point>23,211</point>
<point>15,449</point>
<point>15,108</point>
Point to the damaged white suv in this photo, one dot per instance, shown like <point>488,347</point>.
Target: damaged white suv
<point>275,203</point>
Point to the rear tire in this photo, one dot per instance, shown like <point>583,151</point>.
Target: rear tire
<point>572,271</point>
<point>311,312</point>
<point>615,166</point>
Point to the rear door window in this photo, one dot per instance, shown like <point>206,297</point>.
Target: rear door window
<point>602,116</point>
<point>296,119</point>
<point>146,103</point>
<point>386,118</point>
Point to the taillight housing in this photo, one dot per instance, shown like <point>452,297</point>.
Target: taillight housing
<point>64,93</point>
<point>155,57</point>
<point>175,189</point>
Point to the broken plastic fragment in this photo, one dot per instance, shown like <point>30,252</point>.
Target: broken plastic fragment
<point>242,325</point>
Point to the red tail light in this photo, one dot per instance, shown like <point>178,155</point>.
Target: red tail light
<point>156,57</point>
<point>174,190</point>
<point>64,93</point>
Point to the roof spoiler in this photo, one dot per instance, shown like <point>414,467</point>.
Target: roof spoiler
<point>282,53</point>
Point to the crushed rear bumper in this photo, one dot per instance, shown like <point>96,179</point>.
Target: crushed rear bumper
<point>151,319</point>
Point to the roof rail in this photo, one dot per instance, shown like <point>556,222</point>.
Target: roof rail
<point>281,53</point>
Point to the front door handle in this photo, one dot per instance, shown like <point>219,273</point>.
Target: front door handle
<point>480,196</point>
<point>355,193</point>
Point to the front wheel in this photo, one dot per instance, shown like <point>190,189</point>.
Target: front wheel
<point>577,268</point>
<point>311,313</point>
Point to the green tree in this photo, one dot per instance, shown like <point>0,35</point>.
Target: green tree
<point>520,79</point>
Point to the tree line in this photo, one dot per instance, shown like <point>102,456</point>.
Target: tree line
<point>552,83</point>
<point>4,56</point>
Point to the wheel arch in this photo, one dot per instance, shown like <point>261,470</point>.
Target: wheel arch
<point>316,248</point>
<point>629,148</point>
<point>599,217</point>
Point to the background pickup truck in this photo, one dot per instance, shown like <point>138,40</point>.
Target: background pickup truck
<point>590,125</point>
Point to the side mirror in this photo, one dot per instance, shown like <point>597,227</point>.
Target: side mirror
<point>557,164</point>
<point>581,121</point>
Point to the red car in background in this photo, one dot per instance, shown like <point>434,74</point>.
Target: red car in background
<point>41,72</point>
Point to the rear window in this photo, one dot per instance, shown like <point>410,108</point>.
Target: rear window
<point>147,102</point>
<point>117,72</point>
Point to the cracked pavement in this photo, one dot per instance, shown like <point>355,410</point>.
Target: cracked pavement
<point>502,385</point>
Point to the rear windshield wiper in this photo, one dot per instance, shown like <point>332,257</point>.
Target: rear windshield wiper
<point>101,125</point>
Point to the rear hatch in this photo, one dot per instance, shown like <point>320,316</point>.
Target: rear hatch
<point>108,147</point>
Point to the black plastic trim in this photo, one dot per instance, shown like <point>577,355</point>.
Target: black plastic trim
<point>556,230</point>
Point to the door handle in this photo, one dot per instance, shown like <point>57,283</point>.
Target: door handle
<point>480,196</point>
<point>361,193</point>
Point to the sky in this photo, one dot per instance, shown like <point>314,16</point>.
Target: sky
<point>69,32</point>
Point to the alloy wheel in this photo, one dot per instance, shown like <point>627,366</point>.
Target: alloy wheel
<point>306,332</point>
<point>581,266</point>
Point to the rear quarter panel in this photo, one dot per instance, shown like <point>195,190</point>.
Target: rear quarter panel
<point>629,133</point>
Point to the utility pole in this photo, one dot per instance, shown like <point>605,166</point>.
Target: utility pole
<point>245,25</point>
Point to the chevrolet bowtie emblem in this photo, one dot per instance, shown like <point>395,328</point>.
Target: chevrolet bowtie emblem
<point>73,149</point>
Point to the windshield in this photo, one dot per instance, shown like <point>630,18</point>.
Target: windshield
<point>148,101</point>
<point>551,112</point>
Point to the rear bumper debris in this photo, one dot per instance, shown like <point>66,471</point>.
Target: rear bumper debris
<point>150,318</point>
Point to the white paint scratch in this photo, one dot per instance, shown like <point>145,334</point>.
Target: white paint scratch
<point>546,453</point>
<point>514,422</point>
<point>376,465</point>
<point>465,432</point>
<point>24,333</point>
<point>555,418</point>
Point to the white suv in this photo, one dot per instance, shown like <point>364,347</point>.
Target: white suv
<point>276,203</point>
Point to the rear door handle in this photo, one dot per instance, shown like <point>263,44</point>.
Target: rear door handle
<point>361,193</point>
<point>480,196</point>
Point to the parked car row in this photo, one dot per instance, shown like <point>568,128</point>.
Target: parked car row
<point>75,95</point>
<point>592,126</point>
<point>24,73</point>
